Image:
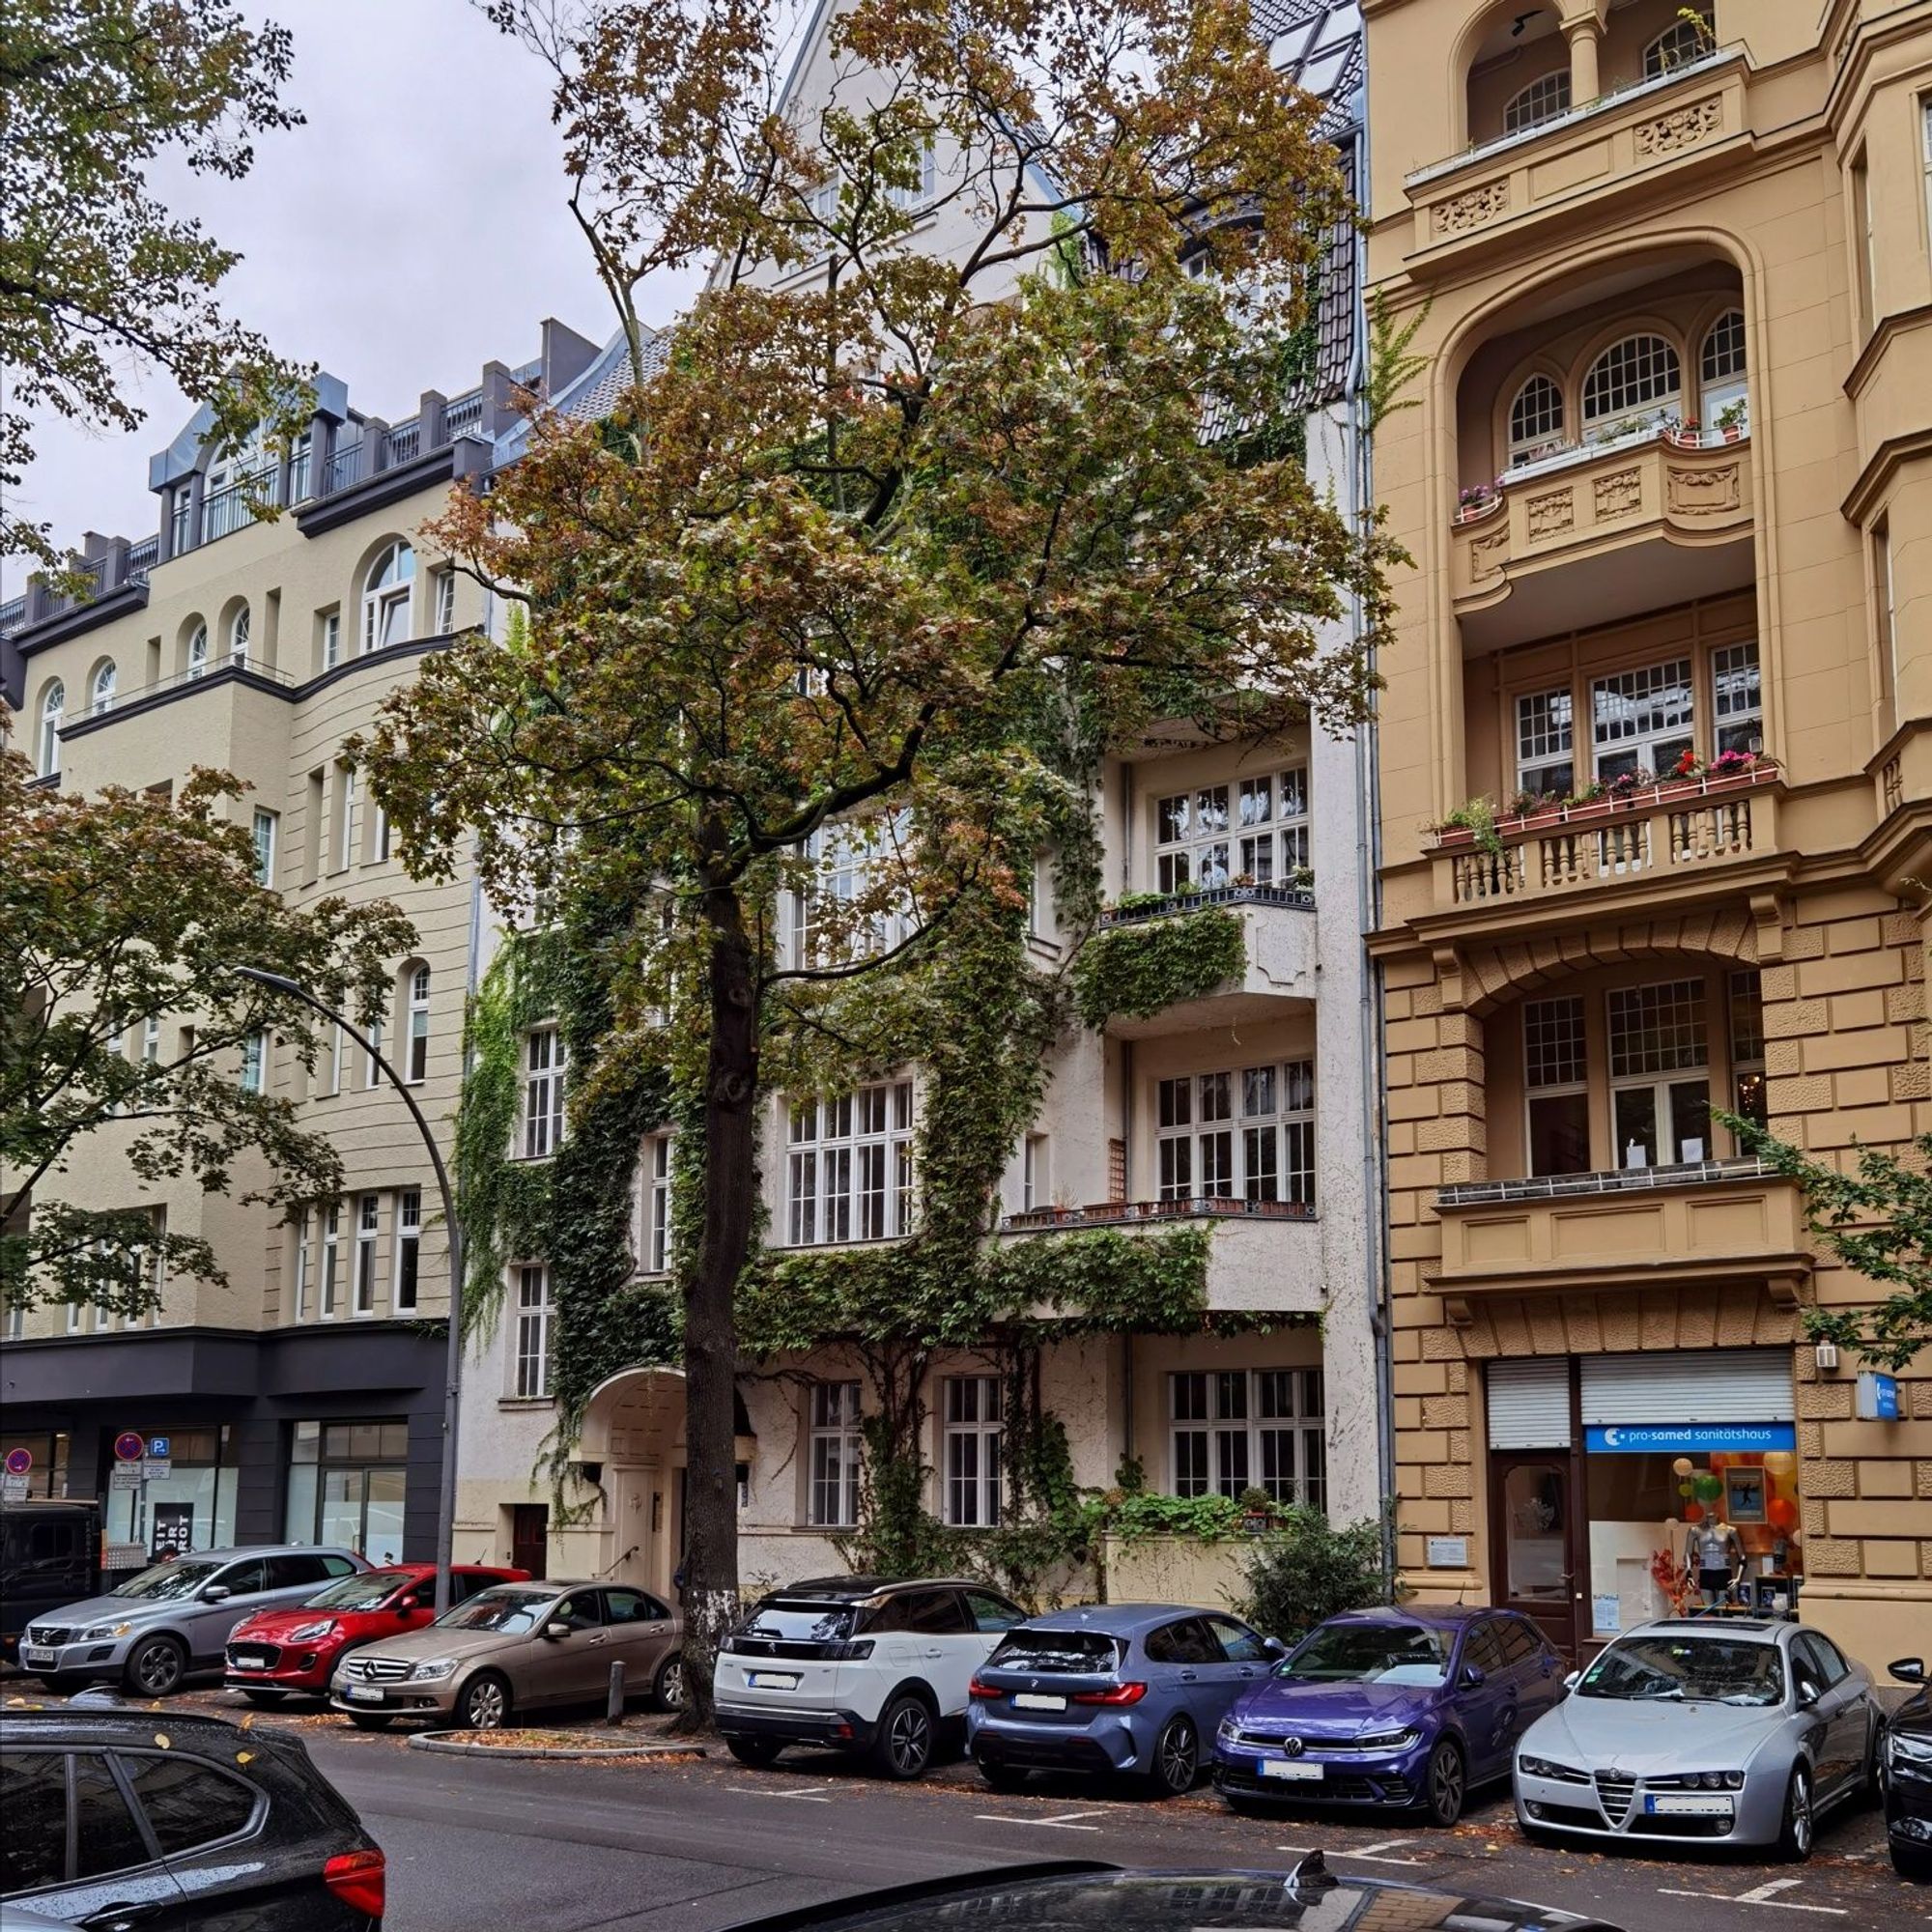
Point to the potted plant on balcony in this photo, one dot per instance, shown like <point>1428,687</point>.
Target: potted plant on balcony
<point>1684,432</point>
<point>1473,823</point>
<point>1733,420</point>
<point>1591,800</point>
<point>1628,787</point>
<point>1686,776</point>
<point>1525,811</point>
<point>1477,501</point>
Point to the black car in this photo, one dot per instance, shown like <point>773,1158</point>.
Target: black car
<point>172,1821</point>
<point>1101,1895</point>
<point>49,1555</point>
<point>1906,1765</point>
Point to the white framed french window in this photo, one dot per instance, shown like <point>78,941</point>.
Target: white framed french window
<point>545,1060</point>
<point>409,1249</point>
<point>835,1452</point>
<point>848,1166</point>
<point>1659,1074</point>
<point>1230,1430</point>
<point>970,1450</point>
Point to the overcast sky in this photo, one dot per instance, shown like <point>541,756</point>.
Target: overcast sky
<point>413,230</point>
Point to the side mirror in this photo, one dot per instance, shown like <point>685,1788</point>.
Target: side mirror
<point>561,1627</point>
<point>1808,1694</point>
<point>1908,1669</point>
<point>406,1606</point>
<point>1473,1674</point>
<point>1570,1682</point>
<point>1274,1646</point>
<point>215,1593</point>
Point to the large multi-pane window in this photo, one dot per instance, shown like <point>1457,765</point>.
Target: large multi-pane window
<point>835,1451</point>
<point>385,598</point>
<point>1232,1429</point>
<point>545,1060</point>
<point>1256,827</point>
<point>1536,420</point>
<point>1737,698</point>
<point>1246,1134</point>
<point>1683,41</point>
<point>848,1167</point>
<point>1556,1079</point>
<point>1659,1077</point>
<point>533,1312</point>
<point>852,861</point>
<point>1638,378</point>
<point>409,1247</point>
<point>1721,366</point>
<point>1641,718</point>
<point>970,1450</point>
<point>1546,761</point>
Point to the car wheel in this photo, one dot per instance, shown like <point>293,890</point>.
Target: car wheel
<point>265,1700</point>
<point>757,1751</point>
<point>1794,1838</point>
<point>155,1667</point>
<point>1445,1785</point>
<point>485,1703</point>
<point>668,1686</point>
<point>371,1721</point>
<point>904,1748</point>
<point>1176,1759</point>
<point>1002,1777</point>
<point>1909,1863</point>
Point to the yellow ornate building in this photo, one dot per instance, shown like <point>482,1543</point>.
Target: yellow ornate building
<point>1668,489</point>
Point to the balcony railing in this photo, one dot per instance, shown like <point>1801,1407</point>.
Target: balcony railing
<point>1119,1213</point>
<point>1143,906</point>
<point>215,671</point>
<point>1605,1180</point>
<point>463,415</point>
<point>12,614</point>
<point>1677,828</point>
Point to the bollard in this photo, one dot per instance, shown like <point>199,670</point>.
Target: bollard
<point>613,1709</point>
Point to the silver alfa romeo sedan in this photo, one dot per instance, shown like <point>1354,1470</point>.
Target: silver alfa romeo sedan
<point>1695,1731</point>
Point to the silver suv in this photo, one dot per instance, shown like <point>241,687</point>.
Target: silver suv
<point>175,1617</point>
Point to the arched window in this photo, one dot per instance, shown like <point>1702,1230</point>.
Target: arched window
<point>417,1034</point>
<point>1723,354</point>
<point>197,652</point>
<point>1536,420</point>
<point>1722,392</point>
<point>385,598</point>
<point>102,694</point>
<point>53,714</point>
<point>1637,377</point>
<point>238,634</point>
<point>1543,99</point>
<point>1677,47</point>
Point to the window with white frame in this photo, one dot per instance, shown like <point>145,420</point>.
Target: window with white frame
<point>331,1259</point>
<point>338,1053</point>
<point>53,715</point>
<point>254,1061</point>
<point>332,639</point>
<point>1925,148</point>
<point>368,1225</point>
<point>851,862</point>
<point>1557,1084</point>
<point>1720,367</point>
<point>1737,697</point>
<point>1747,1071</point>
<point>1232,1429</point>
<point>533,1312</point>
<point>1660,1081</point>
<point>385,598</point>
<point>544,1060</point>
<point>299,1265</point>
<point>1677,47</point>
<point>1536,420</point>
<point>654,1235</point>
<point>197,653</point>
<point>238,634</point>
<point>1546,760</point>
<point>150,1040</point>
<point>1642,719</point>
<point>378,838</point>
<point>848,1166</point>
<point>1638,378</point>
<point>264,835</point>
<point>917,194</point>
<point>100,693</point>
<point>444,620</point>
<point>417,1068</point>
<point>372,1072</point>
<point>1241,1134</point>
<point>835,1452</point>
<point>409,1247</point>
<point>1256,827</point>
<point>970,1451</point>
<point>1543,99</point>
<point>1036,1173</point>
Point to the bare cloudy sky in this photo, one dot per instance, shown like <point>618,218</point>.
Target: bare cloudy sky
<point>413,230</point>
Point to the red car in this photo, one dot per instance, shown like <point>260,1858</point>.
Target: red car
<point>276,1652</point>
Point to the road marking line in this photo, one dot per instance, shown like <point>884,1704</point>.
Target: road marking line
<point>1753,1898</point>
<point>765,1791</point>
<point>1063,1822</point>
<point>1370,1858</point>
<point>1760,1894</point>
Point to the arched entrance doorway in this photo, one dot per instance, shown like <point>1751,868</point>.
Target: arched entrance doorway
<point>633,1429</point>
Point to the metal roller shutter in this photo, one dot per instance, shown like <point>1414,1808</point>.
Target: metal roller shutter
<point>1529,1403</point>
<point>1694,1386</point>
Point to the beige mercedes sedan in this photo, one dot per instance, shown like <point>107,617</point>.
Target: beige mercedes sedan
<point>514,1649</point>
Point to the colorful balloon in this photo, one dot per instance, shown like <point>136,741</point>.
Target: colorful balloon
<point>1708,1487</point>
<point>1781,1513</point>
<point>1694,1512</point>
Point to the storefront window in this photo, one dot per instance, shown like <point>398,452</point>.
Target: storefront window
<point>191,1507</point>
<point>346,1486</point>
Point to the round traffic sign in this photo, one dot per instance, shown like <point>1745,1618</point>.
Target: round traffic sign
<point>128,1447</point>
<point>19,1461</point>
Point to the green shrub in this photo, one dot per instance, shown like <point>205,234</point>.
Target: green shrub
<point>1307,1570</point>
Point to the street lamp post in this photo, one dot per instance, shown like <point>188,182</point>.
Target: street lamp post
<point>452,1384</point>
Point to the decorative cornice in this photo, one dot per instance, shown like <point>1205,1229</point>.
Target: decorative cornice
<point>81,619</point>
<point>1863,497</point>
<point>1880,340</point>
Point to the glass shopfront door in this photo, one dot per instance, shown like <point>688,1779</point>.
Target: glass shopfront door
<point>346,1481</point>
<point>1533,1508</point>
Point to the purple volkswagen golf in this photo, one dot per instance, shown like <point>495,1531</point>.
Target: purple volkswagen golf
<point>1405,1708</point>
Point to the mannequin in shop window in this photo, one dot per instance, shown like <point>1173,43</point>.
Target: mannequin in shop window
<point>1714,1553</point>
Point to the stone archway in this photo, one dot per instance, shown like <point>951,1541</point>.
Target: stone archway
<point>633,1435</point>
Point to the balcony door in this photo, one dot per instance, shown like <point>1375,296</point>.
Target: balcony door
<point>1537,1540</point>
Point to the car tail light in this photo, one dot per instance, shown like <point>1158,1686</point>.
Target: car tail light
<point>854,1651</point>
<point>988,1692</point>
<point>358,1879</point>
<point>1117,1693</point>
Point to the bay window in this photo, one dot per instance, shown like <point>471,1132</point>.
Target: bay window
<point>1232,1429</point>
<point>848,1167</point>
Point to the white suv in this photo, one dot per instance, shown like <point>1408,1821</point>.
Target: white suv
<point>860,1666</point>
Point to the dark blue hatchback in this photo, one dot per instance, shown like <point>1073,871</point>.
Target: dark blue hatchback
<point>1407,1709</point>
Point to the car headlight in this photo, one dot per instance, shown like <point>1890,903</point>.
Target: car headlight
<point>432,1670</point>
<point>1901,1749</point>
<point>1543,1767</point>
<point>1379,1741</point>
<point>1229,1731</point>
<point>1698,1780</point>
<point>308,1633</point>
<point>102,1630</point>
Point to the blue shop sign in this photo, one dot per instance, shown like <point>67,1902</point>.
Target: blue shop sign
<point>1688,1438</point>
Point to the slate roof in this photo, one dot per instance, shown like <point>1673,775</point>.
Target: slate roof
<point>594,393</point>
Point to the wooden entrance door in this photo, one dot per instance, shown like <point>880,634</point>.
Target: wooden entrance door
<point>1536,1540</point>
<point>529,1537</point>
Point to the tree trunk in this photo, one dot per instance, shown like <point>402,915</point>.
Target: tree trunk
<point>710,1331</point>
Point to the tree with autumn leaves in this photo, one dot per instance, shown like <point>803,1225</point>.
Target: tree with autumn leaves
<point>890,547</point>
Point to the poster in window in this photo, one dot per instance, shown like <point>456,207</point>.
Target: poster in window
<point>174,1530</point>
<point>1744,1495</point>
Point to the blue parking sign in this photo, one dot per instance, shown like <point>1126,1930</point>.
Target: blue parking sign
<point>157,1448</point>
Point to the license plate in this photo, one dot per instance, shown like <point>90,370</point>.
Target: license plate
<point>33,1659</point>
<point>363,1693</point>
<point>1031,1700</point>
<point>249,1660</point>
<point>1684,1803</point>
<point>772,1679</point>
<point>1298,1768</point>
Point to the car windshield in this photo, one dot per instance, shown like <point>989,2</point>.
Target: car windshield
<point>167,1581</point>
<point>1699,1670</point>
<point>1083,1652</point>
<point>365,1592</point>
<point>784,1621</point>
<point>1370,1654</point>
<point>512,1611</point>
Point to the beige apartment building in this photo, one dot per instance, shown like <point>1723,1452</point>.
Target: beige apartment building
<point>1668,489</point>
<point>304,1399</point>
